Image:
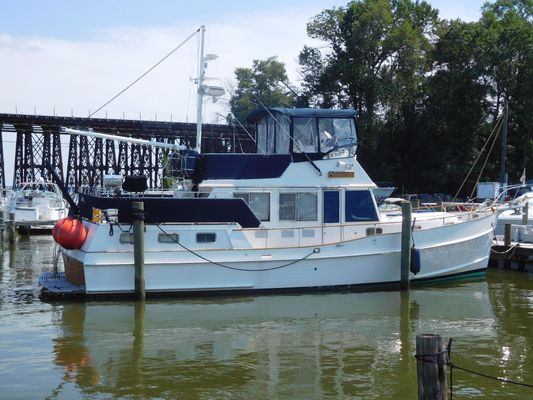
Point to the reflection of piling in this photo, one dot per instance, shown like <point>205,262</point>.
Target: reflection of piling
<point>10,227</point>
<point>138,342</point>
<point>407,241</point>
<point>2,228</point>
<point>138,247</point>
<point>431,367</point>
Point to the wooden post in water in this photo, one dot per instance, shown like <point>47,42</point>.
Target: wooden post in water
<point>11,231</point>
<point>431,367</point>
<point>138,247</point>
<point>504,262</point>
<point>407,242</point>
<point>507,235</point>
<point>525,212</point>
<point>2,228</point>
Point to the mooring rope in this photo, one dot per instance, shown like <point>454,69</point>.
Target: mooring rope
<point>316,250</point>
<point>422,357</point>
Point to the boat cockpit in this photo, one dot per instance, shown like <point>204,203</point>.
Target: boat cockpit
<point>317,133</point>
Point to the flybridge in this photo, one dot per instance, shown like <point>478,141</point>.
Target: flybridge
<point>306,133</point>
<point>283,136</point>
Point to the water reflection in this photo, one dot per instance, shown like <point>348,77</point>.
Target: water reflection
<point>308,346</point>
<point>342,345</point>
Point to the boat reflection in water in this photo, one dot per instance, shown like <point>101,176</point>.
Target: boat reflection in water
<point>283,346</point>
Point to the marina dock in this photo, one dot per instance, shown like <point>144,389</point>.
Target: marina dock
<point>511,255</point>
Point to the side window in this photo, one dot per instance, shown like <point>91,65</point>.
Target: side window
<point>262,137</point>
<point>298,206</point>
<point>206,237</point>
<point>305,135</point>
<point>307,206</point>
<point>282,134</point>
<point>258,202</point>
<point>287,206</point>
<point>359,206</point>
<point>271,145</point>
<point>328,140</point>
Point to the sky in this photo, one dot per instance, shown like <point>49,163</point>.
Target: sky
<point>68,57</point>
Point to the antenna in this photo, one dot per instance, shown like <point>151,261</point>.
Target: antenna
<point>213,91</point>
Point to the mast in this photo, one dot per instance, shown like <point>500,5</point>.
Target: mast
<point>503,177</point>
<point>201,73</point>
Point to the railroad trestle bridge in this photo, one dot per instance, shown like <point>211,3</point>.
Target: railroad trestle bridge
<point>39,140</point>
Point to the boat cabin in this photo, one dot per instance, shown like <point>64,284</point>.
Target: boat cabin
<point>303,174</point>
<point>317,133</point>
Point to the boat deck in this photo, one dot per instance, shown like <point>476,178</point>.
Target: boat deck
<point>56,283</point>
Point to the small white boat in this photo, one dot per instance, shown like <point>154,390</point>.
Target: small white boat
<point>35,206</point>
<point>383,192</point>
<point>519,214</point>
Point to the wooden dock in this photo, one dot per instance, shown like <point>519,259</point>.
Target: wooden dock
<point>511,255</point>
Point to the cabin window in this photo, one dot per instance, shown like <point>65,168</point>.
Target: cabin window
<point>126,238</point>
<point>206,237</point>
<point>258,202</point>
<point>262,137</point>
<point>271,144</point>
<point>305,135</point>
<point>359,206</point>
<point>282,135</point>
<point>168,238</point>
<point>298,206</point>
<point>336,132</point>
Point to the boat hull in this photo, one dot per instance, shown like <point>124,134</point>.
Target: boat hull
<point>446,251</point>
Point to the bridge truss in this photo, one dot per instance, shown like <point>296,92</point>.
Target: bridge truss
<point>39,141</point>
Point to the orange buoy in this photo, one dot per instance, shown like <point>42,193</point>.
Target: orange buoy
<point>57,225</point>
<point>69,233</point>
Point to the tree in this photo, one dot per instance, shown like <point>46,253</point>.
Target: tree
<point>265,84</point>
<point>428,91</point>
<point>376,63</point>
<point>508,51</point>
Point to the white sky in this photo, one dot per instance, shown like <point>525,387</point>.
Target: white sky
<point>80,67</point>
<point>68,57</point>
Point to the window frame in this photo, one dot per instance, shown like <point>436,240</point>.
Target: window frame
<point>297,216</point>
<point>246,196</point>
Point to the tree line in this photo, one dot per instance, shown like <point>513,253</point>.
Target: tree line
<point>429,91</point>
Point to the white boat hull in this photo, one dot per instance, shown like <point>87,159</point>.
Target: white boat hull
<point>105,266</point>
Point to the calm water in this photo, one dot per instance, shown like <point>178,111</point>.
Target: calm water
<point>323,346</point>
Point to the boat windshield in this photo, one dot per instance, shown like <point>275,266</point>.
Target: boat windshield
<point>337,136</point>
<point>331,137</point>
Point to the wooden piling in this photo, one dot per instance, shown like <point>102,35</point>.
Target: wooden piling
<point>431,367</point>
<point>525,212</point>
<point>407,242</point>
<point>11,230</point>
<point>138,247</point>
<point>507,235</point>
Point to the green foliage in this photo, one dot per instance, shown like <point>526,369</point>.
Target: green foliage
<point>428,91</point>
<point>263,84</point>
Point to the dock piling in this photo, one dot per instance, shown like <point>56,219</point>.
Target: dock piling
<point>431,367</point>
<point>507,235</point>
<point>138,248</point>
<point>11,230</point>
<point>525,216</point>
<point>407,242</point>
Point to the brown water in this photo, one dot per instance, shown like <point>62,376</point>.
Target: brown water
<point>312,346</point>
